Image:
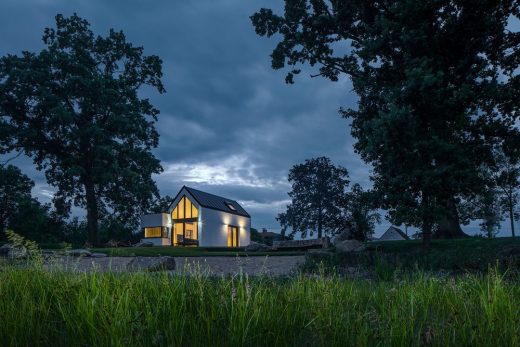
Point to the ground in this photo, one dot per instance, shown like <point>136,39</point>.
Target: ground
<point>215,265</point>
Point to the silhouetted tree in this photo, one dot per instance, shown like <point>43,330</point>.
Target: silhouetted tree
<point>317,197</point>
<point>74,108</point>
<point>361,213</point>
<point>21,212</point>
<point>437,83</point>
<point>507,180</point>
<point>15,191</point>
<point>161,204</point>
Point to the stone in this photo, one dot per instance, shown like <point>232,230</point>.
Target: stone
<point>10,251</point>
<point>345,234</point>
<point>298,244</point>
<point>144,244</point>
<point>79,253</point>
<point>347,246</point>
<point>98,255</point>
<point>257,247</point>
<point>151,264</point>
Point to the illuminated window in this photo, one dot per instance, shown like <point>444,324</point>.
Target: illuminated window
<point>230,206</point>
<point>185,223</point>
<point>155,232</point>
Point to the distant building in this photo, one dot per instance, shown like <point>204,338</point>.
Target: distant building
<point>268,237</point>
<point>393,234</point>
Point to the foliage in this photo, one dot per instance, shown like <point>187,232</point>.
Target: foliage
<point>101,309</point>
<point>490,213</point>
<point>507,180</point>
<point>317,195</point>
<point>15,189</point>
<point>361,213</point>
<point>19,242</point>
<point>74,108</point>
<point>161,204</point>
<point>472,254</point>
<point>21,212</point>
<point>437,83</point>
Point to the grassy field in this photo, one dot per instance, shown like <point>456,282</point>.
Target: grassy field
<point>105,309</point>
<point>474,254</point>
<point>185,252</point>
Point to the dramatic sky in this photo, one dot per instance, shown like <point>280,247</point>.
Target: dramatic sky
<point>229,124</point>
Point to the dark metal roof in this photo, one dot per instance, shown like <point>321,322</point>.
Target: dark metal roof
<point>216,202</point>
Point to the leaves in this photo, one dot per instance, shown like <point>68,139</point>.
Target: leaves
<point>74,108</point>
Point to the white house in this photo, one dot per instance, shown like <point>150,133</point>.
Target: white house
<point>196,218</point>
<point>393,234</point>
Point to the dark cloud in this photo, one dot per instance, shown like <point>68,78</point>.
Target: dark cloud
<point>228,124</point>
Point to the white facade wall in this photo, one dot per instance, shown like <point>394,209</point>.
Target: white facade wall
<point>214,228</point>
<point>157,220</point>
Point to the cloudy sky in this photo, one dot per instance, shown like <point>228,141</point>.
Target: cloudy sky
<point>229,124</point>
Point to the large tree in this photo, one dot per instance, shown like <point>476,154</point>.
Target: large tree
<point>15,190</point>
<point>75,108</point>
<point>437,85</point>
<point>317,197</point>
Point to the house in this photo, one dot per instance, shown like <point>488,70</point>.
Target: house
<point>393,234</point>
<point>197,218</point>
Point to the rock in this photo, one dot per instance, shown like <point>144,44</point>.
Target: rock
<point>151,264</point>
<point>98,255</point>
<point>144,244</point>
<point>12,252</point>
<point>343,235</point>
<point>257,247</point>
<point>347,246</point>
<point>79,253</point>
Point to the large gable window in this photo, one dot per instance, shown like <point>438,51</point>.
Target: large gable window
<point>185,223</point>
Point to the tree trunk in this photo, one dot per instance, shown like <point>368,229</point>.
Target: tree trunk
<point>512,217</point>
<point>92,213</point>
<point>448,225</point>
<point>427,234</point>
<point>320,226</point>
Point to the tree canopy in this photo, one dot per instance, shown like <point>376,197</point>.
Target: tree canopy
<point>437,82</point>
<point>317,197</point>
<point>75,108</point>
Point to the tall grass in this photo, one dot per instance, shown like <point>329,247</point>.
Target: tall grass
<point>39,307</point>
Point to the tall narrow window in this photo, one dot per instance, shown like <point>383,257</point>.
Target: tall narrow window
<point>185,223</point>
<point>232,236</point>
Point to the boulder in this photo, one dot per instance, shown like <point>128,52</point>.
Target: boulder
<point>257,247</point>
<point>10,251</point>
<point>79,253</point>
<point>151,264</point>
<point>347,246</point>
<point>98,255</point>
<point>144,244</point>
<point>345,234</point>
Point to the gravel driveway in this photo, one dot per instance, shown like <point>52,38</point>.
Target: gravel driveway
<point>255,265</point>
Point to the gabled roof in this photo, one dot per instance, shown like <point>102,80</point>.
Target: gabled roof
<point>216,202</point>
<point>399,231</point>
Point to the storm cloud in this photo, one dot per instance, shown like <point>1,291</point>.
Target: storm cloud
<point>229,124</point>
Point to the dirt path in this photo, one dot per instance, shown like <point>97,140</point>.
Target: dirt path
<point>272,266</point>
<point>256,265</point>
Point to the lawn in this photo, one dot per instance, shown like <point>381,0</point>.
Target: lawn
<point>41,308</point>
<point>186,252</point>
<point>468,254</point>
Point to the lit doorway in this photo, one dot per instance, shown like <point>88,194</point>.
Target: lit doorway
<point>232,240</point>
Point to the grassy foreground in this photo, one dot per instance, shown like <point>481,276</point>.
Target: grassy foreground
<point>101,309</point>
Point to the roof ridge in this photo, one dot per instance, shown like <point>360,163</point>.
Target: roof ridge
<point>215,195</point>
